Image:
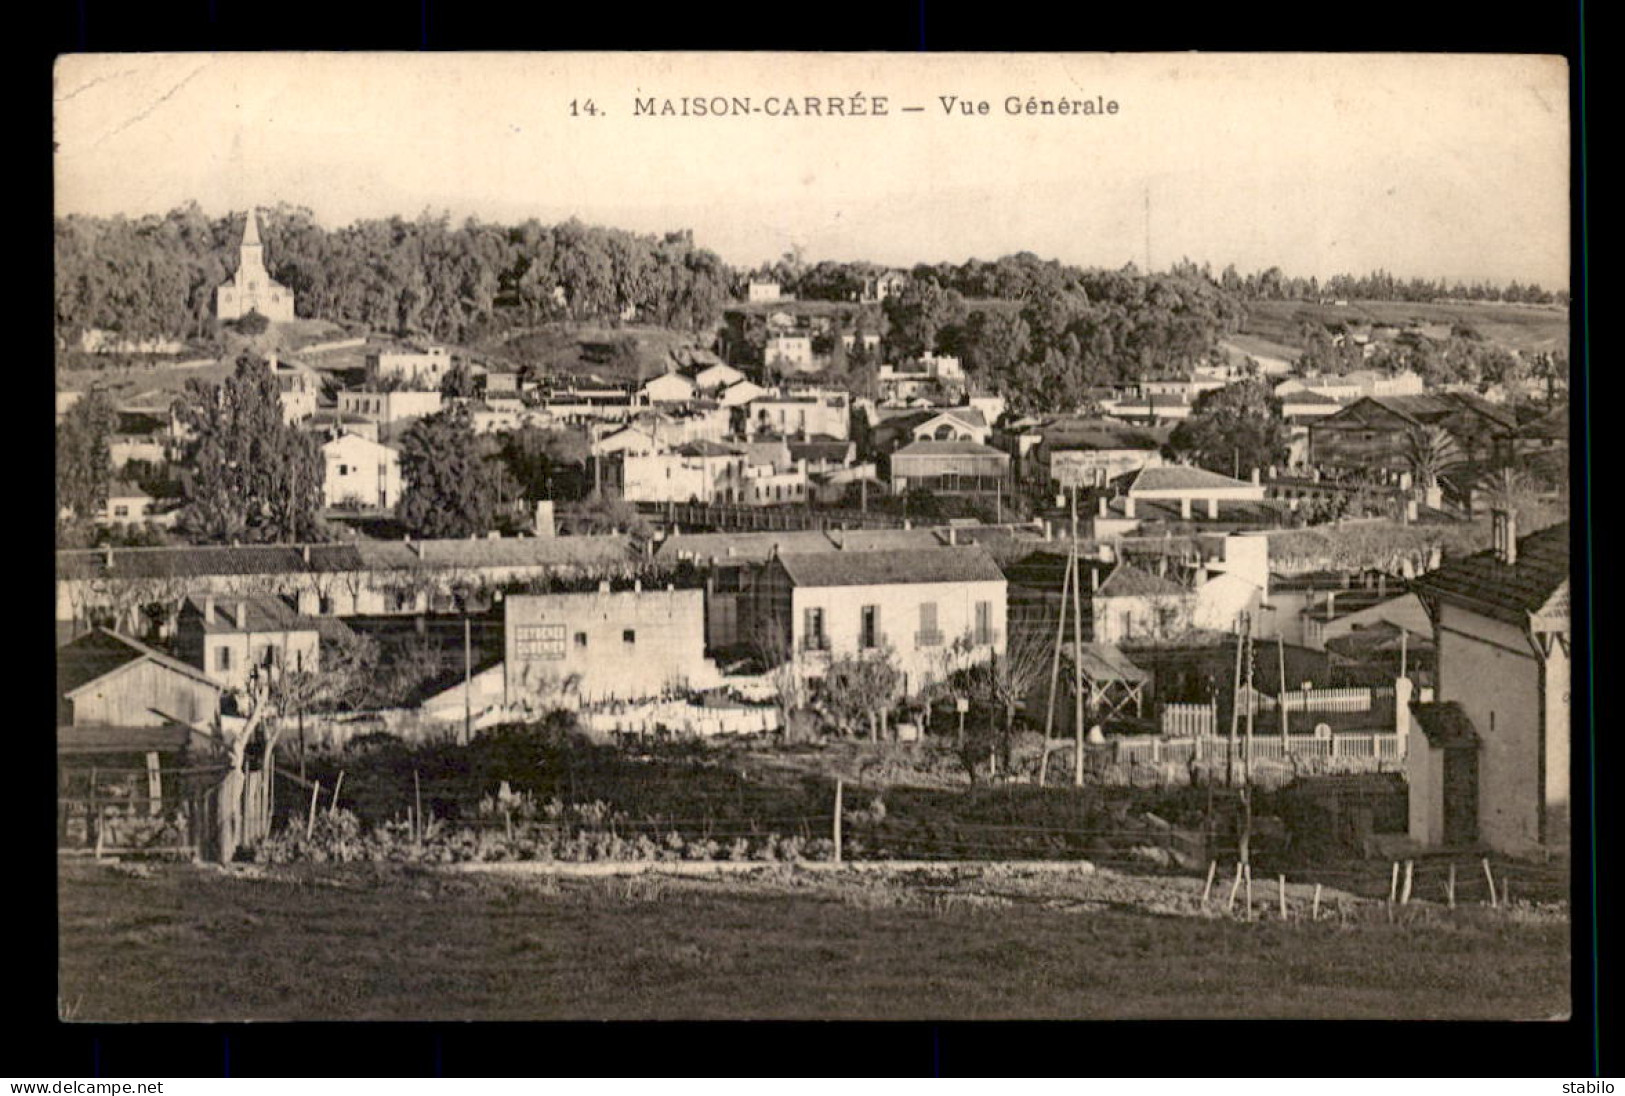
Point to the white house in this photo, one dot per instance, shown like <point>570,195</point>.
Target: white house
<point>424,368</point>
<point>359,472</point>
<point>803,413</point>
<point>388,408</point>
<point>788,351</point>
<point>762,291</point>
<point>954,424</point>
<point>741,393</point>
<point>933,610</point>
<point>717,376</point>
<point>594,647</point>
<point>668,388</point>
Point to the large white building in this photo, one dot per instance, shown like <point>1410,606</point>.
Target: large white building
<point>932,610</point>
<point>251,288</point>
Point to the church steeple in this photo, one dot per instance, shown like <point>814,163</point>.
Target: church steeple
<point>251,230</point>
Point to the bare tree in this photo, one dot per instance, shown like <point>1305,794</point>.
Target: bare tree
<point>858,688</point>
<point>771,643</point>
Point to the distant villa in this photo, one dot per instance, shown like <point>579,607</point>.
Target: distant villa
<point>251,288</point>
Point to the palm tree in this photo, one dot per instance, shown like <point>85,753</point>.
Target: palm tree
<point>1504,487</point>
<point>1429,451</point>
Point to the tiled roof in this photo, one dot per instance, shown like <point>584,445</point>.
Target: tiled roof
<point>264,614</point>
<point>746,546</point>
<point>949,449</point>
<point>1538,581</point>
<point>202,561</point>
<point>971,564</point>
<point>180,562</point>
<point>1435,406</point>
<point>885,540</point>
<point>1178,477</point>
<point>1127,580</point>
<point>1444,724</point>
<point>1103,662</point>
<point>1067,434</point>
<point>96,654</point>
<point>1046,570</point>
<point>815,451</point>
<point>1381,638</point>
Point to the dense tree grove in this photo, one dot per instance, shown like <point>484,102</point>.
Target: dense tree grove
<point>252,477</point>
<point>1073,329</point>
<point>451,484</point>
<point>1233,430</point>
<point>156,276</point>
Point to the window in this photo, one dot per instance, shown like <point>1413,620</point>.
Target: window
<point>121,511</point>
<point>928,635</point>
<point>222,659</point>
<point>629,636</point>
<point>813,630</point>
<point>325,607</point>
<point>984,622</point>
<point>869,629</point>
<point>581,639</point>
<point>344,469</point>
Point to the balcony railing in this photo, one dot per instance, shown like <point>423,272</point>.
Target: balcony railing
<point>931,638</point>
<point>815,643</point>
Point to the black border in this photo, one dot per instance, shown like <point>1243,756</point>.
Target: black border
<point>42,1047</point>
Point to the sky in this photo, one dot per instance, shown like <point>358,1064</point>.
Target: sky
<point>1449,166</point>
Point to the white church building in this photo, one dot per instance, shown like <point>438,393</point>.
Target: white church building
<point>251,288</point>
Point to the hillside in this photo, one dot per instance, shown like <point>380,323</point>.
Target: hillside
<point>1526,328</point>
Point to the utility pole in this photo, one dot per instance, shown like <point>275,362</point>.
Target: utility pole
<point>1077,663</point>
<point>1280,647</point>
<point>1055,673</point>
<point>468,679</point>
<point>1235,716</point>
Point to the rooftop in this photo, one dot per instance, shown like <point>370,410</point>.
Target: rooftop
<point>93,655</point>
<point>926,565</point>
<point>949,449</point>
<point>1127,580</point>
<point>1537,582</point>
<point>1178,477</point>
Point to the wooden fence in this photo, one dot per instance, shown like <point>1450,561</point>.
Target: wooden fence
<point>1160,748</point>
<point>1189,720</point>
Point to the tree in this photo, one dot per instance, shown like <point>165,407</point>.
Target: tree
<point>84,466</point>
<point>253,324</point>
<point>253,476</point>
<point>451,490</point>
<point>546,464</point>
<point>458,383</point>
<point>1429,451</point>
<point>609,515</point>
<point>859,688</point>
<point>1234,429</point>
<point>918,317</point>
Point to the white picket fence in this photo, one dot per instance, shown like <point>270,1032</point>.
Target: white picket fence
<point>1159,748</point>
<point>1189,720</point>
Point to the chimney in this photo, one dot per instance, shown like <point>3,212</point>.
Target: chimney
<point>637,586</point>
<point>603,586</point>
<point>242,616</point>
<point>305,551</point>
<point>208,608</point>
<point>1128,506</point>
<point>953,536</point>
<point>1331,605</point>
<point>1213,509</point>
<point>1102,505</point>
<point>1094,580</point>
<point>1185,508</point>
<point>1256,479</point>
<point>1504,524</point>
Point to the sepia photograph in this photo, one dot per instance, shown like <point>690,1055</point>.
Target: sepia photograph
<point>787,536</point>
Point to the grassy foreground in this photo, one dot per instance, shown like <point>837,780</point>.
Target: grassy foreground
<point>383,942</point>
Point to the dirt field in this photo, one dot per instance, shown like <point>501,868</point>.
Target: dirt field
<point>391,942</point>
